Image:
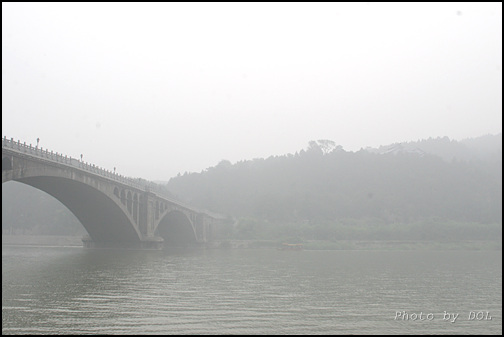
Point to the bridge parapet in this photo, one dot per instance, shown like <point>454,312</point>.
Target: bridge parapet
<point>67,160</point>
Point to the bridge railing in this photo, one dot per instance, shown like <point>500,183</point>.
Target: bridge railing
<point>74,162</point>
<point>68,160</point>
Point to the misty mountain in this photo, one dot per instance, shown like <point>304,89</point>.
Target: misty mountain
<point>484,148</point>
<point>399,183</point>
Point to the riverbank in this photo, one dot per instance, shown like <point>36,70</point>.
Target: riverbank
<point>59,240</point>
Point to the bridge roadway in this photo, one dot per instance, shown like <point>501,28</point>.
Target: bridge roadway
<point>116,211</point>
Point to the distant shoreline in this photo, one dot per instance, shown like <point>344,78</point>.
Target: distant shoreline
<point>61,240</point>
<point>42,240</point>
<point>366,244</point>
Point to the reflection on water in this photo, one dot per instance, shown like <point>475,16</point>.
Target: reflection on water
<point>74,290</point>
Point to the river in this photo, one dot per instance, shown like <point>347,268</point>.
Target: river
<point>71,290</point>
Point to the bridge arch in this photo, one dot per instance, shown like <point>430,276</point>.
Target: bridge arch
<point>123,197</point>
<point>130,202</point>
<point>102,217</point>
<point>6,164</point>
<point>135,208</point>
<point>176,229</point>
<point>112,208</point>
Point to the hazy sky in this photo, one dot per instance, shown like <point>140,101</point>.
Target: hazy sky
<point>155,89</point>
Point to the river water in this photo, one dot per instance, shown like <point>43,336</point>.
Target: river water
<point>70,290</point>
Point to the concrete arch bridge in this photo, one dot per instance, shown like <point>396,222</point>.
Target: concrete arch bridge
<point>116,211</point>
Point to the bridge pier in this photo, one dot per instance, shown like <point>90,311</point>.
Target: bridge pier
<point>147,214</point>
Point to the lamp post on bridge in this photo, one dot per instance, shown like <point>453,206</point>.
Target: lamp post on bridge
<point>38,139</point>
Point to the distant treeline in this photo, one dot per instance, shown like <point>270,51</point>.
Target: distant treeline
<point>402,191</point>
<point>430,189</point>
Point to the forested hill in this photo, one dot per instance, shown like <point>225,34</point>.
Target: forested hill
<point>399,183</point>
